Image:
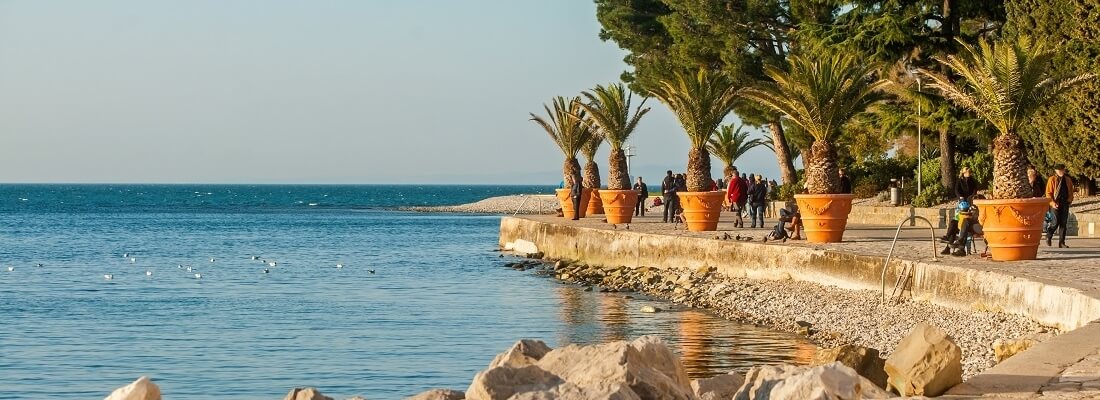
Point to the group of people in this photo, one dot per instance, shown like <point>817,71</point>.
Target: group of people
<point>1058,190</point>
<point>752,191</point>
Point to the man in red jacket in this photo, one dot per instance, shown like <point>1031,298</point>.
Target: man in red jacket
<point>737,194</point>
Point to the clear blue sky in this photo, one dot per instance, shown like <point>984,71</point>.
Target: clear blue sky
<point>217,91</point>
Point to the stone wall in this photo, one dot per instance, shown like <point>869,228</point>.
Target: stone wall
<point>955,287</point>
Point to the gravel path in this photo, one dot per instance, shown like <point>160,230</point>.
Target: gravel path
<point>829,316</point>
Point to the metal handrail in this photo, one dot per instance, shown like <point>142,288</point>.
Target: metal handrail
<point>906,271</point>
<point>526,197</point>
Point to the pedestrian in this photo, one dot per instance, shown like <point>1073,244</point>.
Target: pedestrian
<point>575,191</point>
<point>735,194</point>
<point>845,183</point>
<point>643,194</point>
<point>668,192</point>
<point>966,187</point>
<point>1037,188</point>
<point>758,201</point>
<point>1059,191</point>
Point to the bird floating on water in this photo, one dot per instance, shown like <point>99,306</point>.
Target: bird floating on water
<point>198,276</point>
<point>39,265</point>
<point>180,266</point>
<point>108,276</point>
<point>133,260</point>
<point>370,270</point>
<point>11,269</point>
<point>267,271</point>
<point>189,269</point>
<point>148,273</point>
<point>212,259</point>
<point>125,255</point>
<point>255,258</point>
<point>272,264</point>
<point>339,265</point>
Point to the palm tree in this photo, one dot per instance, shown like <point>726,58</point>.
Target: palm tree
<point>566,128</point>
<point>729,144</point>
<point>820,94</point>
<point>700,102</point>
<point>591,169</point>
<point>608,110</point>
<point>1004,83</point>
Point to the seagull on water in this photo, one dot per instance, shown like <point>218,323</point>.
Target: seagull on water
<point>125,255</point>
<point>133,260</point>
<point>189,268</point>
<point>11,269</point>
<point>339,265</point>
<point>267,271</point>
<point>180,266</point>
<point>39,265</point>
<point>212,259</point>
<point>370,270</point>
<point>148,273</point>
<point>108,276</point>
<point>272,264</point>
<point>254,258</point>
<point>198,276</point>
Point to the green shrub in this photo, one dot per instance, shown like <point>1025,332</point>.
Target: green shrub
<point>930,196</point>
<point>787,192</point>
<point>878,172</point>
<point>865,189</point>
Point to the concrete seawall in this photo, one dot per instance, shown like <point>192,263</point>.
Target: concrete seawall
<point>950,286</point>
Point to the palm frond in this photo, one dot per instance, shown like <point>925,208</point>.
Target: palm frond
<point>730,143</point>
<point>700,101</point>
<point>564,124</point>
<point>608,109</point>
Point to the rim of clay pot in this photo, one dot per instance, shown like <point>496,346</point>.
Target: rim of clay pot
<point>831,196</point>
<point>1029,200</point>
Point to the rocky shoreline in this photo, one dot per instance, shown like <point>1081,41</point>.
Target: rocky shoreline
<point>521,204</point>
<point>828,316</point>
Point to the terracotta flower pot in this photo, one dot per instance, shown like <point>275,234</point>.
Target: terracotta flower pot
<point>566,202</point>
<point>824,216</point>
<point>595,206</point>
<point>1012,227</point>
<point>701,209</point>
<point>619,205</point>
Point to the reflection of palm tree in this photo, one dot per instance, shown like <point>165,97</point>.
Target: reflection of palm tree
<point>697,343</point>
<point>615,319</point>
<point>575,317</point>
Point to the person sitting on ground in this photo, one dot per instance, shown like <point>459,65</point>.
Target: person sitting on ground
<point>789,220</point>
<point>966,227</point>
<point>953,226</point>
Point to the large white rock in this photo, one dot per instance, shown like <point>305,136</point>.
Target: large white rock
<point>925,363</point>
<point>141,389</point>
<point>525,352</point>
<point>827,382</point>
<point>720,387</point>
<point>500,383</point>
<point>521,246</point>
<point>439,394</point>
<point>646,366</point>
<point>306,393</point>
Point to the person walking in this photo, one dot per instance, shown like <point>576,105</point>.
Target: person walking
<point>735,194</point>
<point>758,201</point>
<point>845,183</point>
<point>966,186</point>
<point>643,194</point>
<point>668,192</point>
<point>575,192</point>
<point>1059,191</point>
<point>1037,187</point>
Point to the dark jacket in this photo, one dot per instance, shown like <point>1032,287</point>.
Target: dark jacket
<point>576,190</point>
<point>845,185</point>
<point>758,193</point>
<point>965,187</point>
<point>668,187</point>
<point>642,189</point>
<point>1037,188</point>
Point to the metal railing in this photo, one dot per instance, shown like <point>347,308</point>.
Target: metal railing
<point>539,197</point>
<point>903,276</point>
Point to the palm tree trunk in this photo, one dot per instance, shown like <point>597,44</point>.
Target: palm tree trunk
<point>572,168</point>
<point>618,178</point>
<point>591,174</point>
<point>783,153</point>
<point>947,160</point>
<point>1010,168</point>
<point>822,174</point>
<point>698,170</point>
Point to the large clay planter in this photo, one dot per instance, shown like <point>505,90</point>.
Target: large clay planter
<point>701,209</point>
<point>566,202</point>
<point>595,206</point>
<point>618,205</point>
<point>1012,227</point>
<point>824,216</point>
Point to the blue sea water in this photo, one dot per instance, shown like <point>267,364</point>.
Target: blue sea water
<point>437,308</point>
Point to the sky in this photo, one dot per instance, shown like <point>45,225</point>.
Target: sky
<point>319,91</point>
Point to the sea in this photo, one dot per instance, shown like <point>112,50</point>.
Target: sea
<point>419,300</point>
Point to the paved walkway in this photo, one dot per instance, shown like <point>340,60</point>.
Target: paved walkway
<point>1066,367</point>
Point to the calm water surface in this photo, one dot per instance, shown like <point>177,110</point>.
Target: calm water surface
<point>438,307</point>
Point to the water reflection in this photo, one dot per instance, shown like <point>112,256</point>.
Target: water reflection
<point>707,344</point>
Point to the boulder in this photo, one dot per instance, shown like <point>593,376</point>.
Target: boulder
<point>826,382</point>
<point>525,352</point>
<point>720,387</point>
<point>439,394</point>
<point>500,383</point>
<point>925,363</point>
<point>524,247</point>
<point>645,366</point>
<point>568,391</point>
<point>1005,348</point>
<point>865,361</point>
<point>141,389</point>
<point>306,393</point>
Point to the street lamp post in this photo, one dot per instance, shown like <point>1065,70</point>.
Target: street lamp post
<point>629,151</point>
<point>920,146</point>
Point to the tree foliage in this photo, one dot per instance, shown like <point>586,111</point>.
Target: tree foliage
<point>608,109</point>
<point>700,101</point>
<point>564,124</point>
